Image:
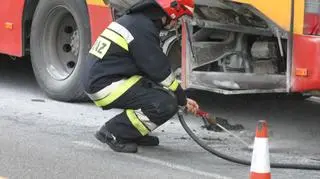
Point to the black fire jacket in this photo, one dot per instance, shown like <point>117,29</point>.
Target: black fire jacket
<point>129,46</point>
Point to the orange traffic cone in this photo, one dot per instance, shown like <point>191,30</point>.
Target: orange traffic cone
<point>260,163</point>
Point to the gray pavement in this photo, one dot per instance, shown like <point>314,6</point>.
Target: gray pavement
<point>42,138</point>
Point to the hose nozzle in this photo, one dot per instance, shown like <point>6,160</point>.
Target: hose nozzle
<point>212,120</point>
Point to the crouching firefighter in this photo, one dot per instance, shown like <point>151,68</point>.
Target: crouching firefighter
<point>128,70</point>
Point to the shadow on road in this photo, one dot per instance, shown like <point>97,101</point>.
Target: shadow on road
<point>19,72</point>
<point>295,119</point>
<point>16,71</point>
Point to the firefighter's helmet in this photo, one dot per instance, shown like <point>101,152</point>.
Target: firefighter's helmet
<point>177,8</point>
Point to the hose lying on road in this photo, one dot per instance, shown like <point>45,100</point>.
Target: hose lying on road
<point>237,160</point>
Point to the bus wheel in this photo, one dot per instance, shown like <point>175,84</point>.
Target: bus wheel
<point>60,40</point>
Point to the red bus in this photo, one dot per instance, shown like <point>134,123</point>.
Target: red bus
<point>229,47</point>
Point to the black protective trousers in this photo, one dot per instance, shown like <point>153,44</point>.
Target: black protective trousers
<point>145,101</point>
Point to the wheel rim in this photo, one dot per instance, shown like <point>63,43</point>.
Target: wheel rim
<point>61,43</point>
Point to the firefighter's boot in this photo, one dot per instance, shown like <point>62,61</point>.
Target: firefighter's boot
<point>116,144</point>
<point>147,141</point>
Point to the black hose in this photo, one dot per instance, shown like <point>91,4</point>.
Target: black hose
<point>237,160</point>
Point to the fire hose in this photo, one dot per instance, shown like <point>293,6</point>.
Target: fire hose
<point>210,118</point>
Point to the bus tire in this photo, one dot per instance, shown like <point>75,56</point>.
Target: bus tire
<point>60,41</point>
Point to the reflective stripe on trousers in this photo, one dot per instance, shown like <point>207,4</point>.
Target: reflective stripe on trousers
<point>109,94</point>
<point>140,121</point>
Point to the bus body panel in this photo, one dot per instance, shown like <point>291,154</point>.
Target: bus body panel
<point>279,11</point>
<point>100,16</point>
<point>11,13</point>
<point>306,63</point>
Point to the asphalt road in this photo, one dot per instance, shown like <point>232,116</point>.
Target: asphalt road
<point>43,138</point>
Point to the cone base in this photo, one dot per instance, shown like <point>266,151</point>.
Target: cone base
<point>254,175</point>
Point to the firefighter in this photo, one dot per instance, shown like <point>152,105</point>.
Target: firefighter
<point>128,70</point>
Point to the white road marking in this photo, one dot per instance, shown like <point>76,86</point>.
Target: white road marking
<point>88,144</point>
<point>179,167</point>
<point>157,161</point>
<point>315,99</point>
